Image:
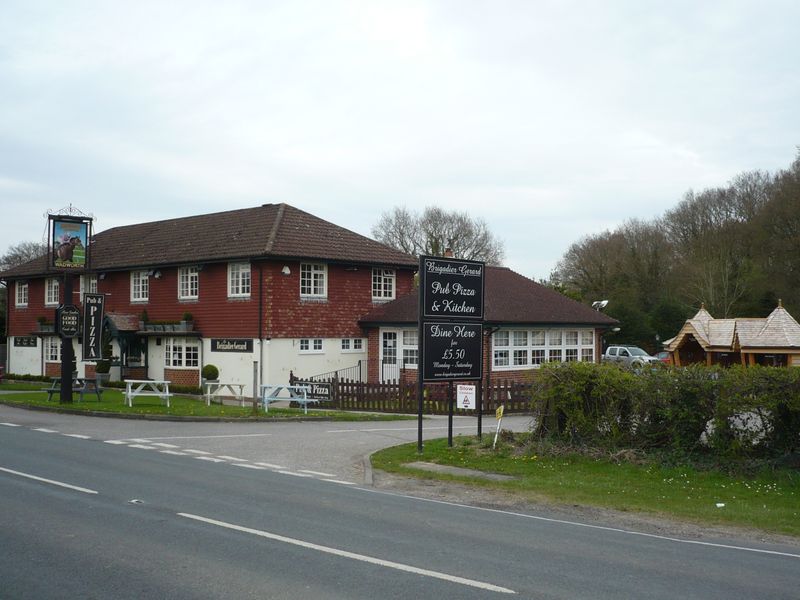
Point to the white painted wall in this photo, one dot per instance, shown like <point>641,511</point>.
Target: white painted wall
<point>24,361</point>
<point>283,356</point>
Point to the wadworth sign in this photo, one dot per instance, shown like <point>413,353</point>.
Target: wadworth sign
<point>451,312</point>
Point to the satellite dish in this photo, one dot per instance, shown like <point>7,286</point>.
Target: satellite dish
<point>599,304</point>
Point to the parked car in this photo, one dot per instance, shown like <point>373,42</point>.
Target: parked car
<point>665,357</point>
<point>628,356</point>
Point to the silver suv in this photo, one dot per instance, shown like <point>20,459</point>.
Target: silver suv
<point>628,356</point>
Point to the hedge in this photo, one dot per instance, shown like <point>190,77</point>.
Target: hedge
<point>731,412</point>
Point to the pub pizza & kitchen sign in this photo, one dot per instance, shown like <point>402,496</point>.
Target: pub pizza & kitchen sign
<point>451,302</point>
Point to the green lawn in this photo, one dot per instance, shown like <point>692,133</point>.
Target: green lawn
<point>181,406</point>
<point>769,501</point>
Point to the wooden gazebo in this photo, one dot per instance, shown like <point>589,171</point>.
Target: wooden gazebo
<point>774,340</point>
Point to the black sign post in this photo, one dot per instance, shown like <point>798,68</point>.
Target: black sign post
<point>451,314</point>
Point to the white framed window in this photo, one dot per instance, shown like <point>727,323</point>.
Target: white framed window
<point>410,348</point>
<point>51,289</point>
<point>188,283</point>
<point>529,349</point>
<point>239,280</point>
<point>383,284</point>
<point>311,346</point>
<point>182,352</point>
<point>140,286</point>
<point>52,348</point>
<point>313,280</point>
<point>22,294</point>
<point>352,345</point>
<point>88,285</point>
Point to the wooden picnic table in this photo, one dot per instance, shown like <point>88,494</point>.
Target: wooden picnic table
<point>297,393</point>
<point>80,385</point>
<point>213,389</point>
<point>146,387</point>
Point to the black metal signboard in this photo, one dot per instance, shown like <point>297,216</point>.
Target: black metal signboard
<point>453,351</point>
<point>451,289</point>
<point>26,341</point>
<point>231,345</point>
<point>92,326</point>
<point>68,320</point>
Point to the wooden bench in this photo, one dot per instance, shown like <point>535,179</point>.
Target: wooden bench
<point>213,389</point>
<point>297,393</point>
<point>80,385</point>
<point>146,387</point>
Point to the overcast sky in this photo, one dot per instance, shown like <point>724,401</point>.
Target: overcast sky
<point>549,120</point>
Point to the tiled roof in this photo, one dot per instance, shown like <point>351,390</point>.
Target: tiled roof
<point>271,230</point>
<point>509,298</point>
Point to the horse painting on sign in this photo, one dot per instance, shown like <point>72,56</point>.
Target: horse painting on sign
<point>69,244</point>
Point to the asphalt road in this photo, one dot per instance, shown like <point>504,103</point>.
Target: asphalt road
<point>104,508</point>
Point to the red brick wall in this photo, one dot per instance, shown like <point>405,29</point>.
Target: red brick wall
<point>373,355</point>
<point>349,298</point>
<point>52,369</point>
<point>182,376</point>
<point>22,321</point>
<point>216,315</point>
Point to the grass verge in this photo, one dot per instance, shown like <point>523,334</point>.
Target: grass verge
<point>180,406</point>
<point>768,500</point>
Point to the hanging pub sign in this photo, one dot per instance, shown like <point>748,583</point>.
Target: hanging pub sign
<point>452,351</point>
<point>69,242</point>
<point>93,326</point>
<point>451,289</point>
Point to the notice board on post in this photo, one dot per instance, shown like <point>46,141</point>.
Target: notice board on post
<point>451,313</point>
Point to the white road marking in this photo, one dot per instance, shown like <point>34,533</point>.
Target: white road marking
<point>293,474</point>
<point>139,440</point>
<point>249,466</point>
<point>269,465</point>
<point>232,458</point>
<point>162,445</point>
<point>209,459</point>
<point>586,525</point>
<point>77,435</point>
<point>209,437</point>
<point>50,481</point>
<point>173,452</point>
<point>115,442</point>
<point>10,424</point>
<point>44,430</point>
<point>195,451</point>
<point>339,481</point>
<point>352,555</point>
<point>320,473</point>
<point>142,447</point>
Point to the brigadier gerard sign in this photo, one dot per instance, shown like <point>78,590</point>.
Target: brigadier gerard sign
<point>452,289</point>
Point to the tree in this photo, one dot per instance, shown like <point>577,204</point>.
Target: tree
<point>21,253</point>
<point>436,230</point>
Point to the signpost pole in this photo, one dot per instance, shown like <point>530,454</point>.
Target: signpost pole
<point>420,360</point>
<point>66,348</point>
<point>450,414</point>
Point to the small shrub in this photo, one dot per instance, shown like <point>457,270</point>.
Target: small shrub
<point>210,372</point>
